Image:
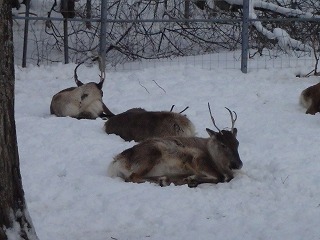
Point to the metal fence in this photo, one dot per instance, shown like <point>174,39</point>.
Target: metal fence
<point>61,43</point>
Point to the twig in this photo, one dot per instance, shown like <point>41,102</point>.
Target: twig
<point>284,180</point>
<point>309,74</point>
<point>144,87</point>
<point>159,85</point>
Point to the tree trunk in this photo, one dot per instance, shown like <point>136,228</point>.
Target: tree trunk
<point>15,222</point>
<point>187,9</point>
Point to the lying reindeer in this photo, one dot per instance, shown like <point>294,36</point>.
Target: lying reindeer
<point>138,124</point>
<point>310,99</point>
<point>81,102</point>
<point>181,160</point>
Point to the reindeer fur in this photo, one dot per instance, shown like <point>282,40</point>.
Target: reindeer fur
<point>310,99</point>
<point>138,124</point>
<point>80,102</point>
<point>180,160</point>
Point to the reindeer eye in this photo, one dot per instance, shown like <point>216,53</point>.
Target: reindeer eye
<point>224,146</point>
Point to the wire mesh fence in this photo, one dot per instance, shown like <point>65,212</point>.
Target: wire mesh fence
<point>137,33</point>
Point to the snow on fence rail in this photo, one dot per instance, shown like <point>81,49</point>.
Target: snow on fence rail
<point>150,31</point>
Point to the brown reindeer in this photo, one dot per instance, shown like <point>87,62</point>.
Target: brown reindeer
<point>138,124</point>
<point>310,99</point>
<point>81,102</point>
<point>181,160</point>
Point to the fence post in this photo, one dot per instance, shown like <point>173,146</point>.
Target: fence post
<point>103,34</point>
<point>65,34</point>
<point>245,36</point>
<point>25,38</point>
<point>65,41</point>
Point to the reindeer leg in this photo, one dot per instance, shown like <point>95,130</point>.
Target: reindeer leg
<point>139,164</point>
<point>175,179</point>
<point>140,175</point>
<point>312,109</point>
<point>228,175</point>
<point>195,180</point>
<point>212,174</point>
<point>164,181</point>
<point>135,178</point>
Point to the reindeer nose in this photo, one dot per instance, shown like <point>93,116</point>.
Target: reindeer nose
<point>240,165</point>
<point>236,164</point>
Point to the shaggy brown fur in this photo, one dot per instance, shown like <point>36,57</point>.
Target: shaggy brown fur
<point>310,99</point>
<point>180,160</point>
<point>138,124</point>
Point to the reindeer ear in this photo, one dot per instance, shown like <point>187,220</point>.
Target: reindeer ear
<point>211,132</point>
<point>79,83</point>
<point>235,131</point>
<point>100,85</point>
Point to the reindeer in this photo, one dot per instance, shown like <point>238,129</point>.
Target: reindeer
<point>81,102</point>
<point>138,124</point>
<point>181,160</point>
<point>310,99</point>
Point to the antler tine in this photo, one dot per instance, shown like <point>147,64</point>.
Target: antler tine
<point>78,82</point>
<point>102,77</point>
<point>233,118</point>
<point>181,111</point>
<point>102,69</point>
<point>213,121</point>
<point>184,109</point>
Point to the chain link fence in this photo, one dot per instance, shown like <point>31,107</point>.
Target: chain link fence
<point>134,33</point>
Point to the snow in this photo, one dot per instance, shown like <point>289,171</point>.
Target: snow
<point>64,161</point>
<point>285,42</point>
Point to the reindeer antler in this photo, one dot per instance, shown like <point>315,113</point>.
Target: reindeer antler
<point>78,82</point>
<point>102,68</point>
<point>184,109</point>
<point>102,77</point>
<point>213,121</point>
<point>181,111</point>
<point>233,118</point>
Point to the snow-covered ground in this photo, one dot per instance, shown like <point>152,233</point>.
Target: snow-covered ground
<point>276,195</point>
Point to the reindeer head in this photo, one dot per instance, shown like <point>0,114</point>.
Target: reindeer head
<point>225,144</point>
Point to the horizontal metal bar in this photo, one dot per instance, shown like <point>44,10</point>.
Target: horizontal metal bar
<point>127,20</point>
<point>57,19</point>
<point>218,20</point>
<point>285,20</point>
<point>213,20</point>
